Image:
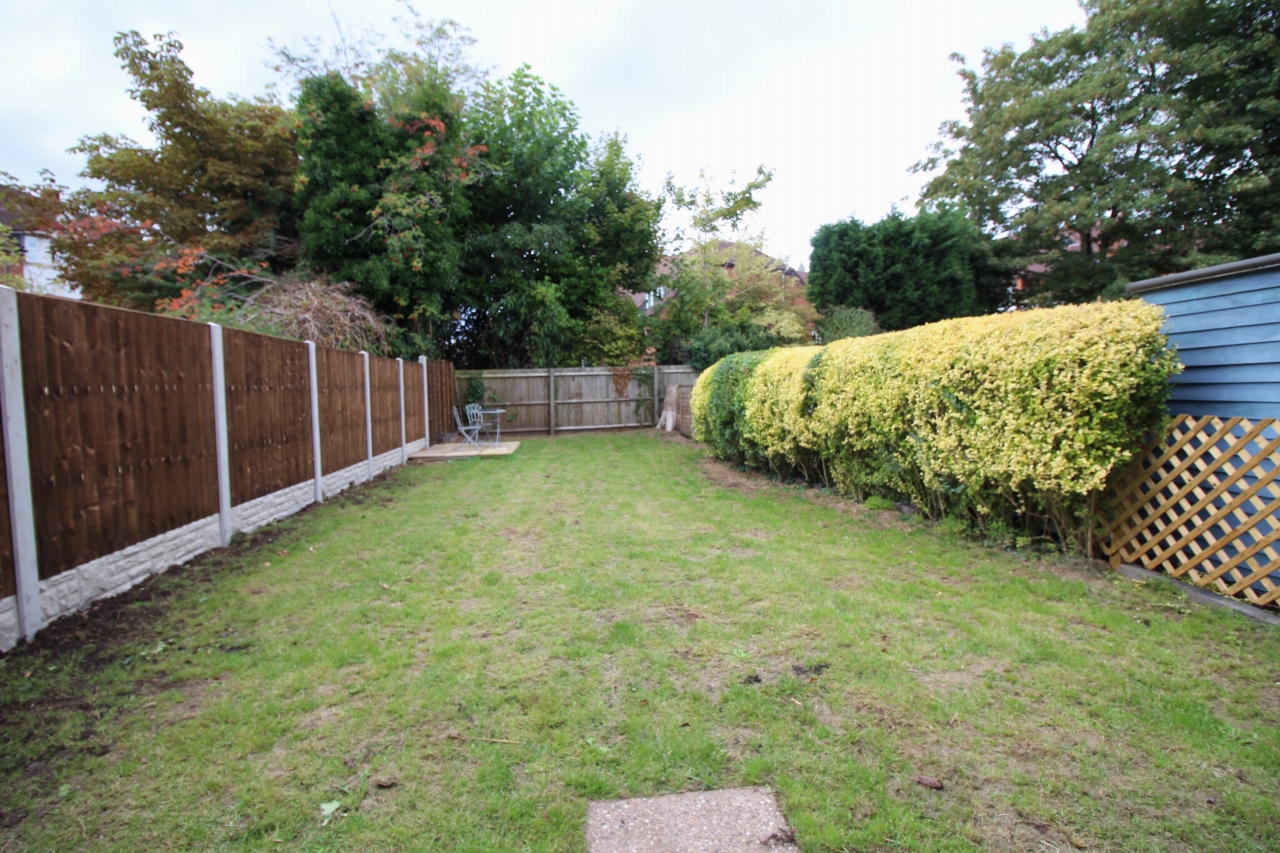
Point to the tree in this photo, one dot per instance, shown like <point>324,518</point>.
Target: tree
<point>551,230</point>
<point>723,292</point>
<point>1221,86</point>
<point>219,179</point>
<point>380,176</point>
<point>621,244</point>
<point>10,260</point>
<point>906,270</point>
<point>481,221</point>
<point>1139,145</point>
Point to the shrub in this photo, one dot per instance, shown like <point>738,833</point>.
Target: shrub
<point>714,343</point>
<point>718,402</point>
<point>1010,418</point>
<point>845,322</point>
<point>775,411</point>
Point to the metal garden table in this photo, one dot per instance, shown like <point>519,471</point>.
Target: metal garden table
<point>497,422</point>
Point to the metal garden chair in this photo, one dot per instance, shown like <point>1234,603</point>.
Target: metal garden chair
<point>469,431</point>
<point>475,417</point>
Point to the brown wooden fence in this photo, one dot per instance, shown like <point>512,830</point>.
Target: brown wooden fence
<point>384,374</point>
<point>441,385</point>
<point>119,427</point>
<point>413,399</point>
<point>1203,504</point>
<point>340,376</point>
<point>122,441</point>
<point>268,414</point>
<point>578,398</point>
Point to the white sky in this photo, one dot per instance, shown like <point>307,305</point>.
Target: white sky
<point>837,98</point>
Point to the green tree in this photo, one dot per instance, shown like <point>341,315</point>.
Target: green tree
<point>219,180</point>
<point>552,230</point>
<point>10,260</point>
<point>906,270</point>
<point>621,244</point>
<point>724,293</point>
<point>381,186</point>
<point>1140,144</point>
<point>476,215</point>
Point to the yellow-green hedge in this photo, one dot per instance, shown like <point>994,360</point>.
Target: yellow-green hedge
<point>1004,417</point>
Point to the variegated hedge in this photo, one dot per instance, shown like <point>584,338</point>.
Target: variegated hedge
<point>1016,419</point>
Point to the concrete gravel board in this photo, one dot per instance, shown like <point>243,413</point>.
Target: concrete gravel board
<point>737,820</point>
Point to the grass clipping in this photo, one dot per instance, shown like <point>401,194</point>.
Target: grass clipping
<point>1013,420</point>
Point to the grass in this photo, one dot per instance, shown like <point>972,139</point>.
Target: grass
<point>629,619</point>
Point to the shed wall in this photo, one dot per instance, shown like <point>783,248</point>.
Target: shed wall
<point>1227,331</point>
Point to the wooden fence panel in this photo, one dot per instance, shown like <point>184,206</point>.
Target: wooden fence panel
<point>604,397</point>
<point>268,413</point>
<point>8,580</point>
<point>384,380</point>
<point>414,428</point>
<point>585,397</point>
<point>441,396</point>
<point>523,393</point>
<point>120,427</point>
<point>340,376</point>
<point>1203,504</point>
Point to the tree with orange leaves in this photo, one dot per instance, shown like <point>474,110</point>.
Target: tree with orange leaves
<point>218,182</point>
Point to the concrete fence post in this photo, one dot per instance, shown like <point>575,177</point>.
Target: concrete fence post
<point>221,443</point>
<point>13,423</point>
<point>426,401</point>
<point>404,446</point>
<point>551,401</point>
<point>315,421</point>
<point>368,411</point>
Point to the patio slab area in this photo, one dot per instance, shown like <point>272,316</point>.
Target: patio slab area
<point>736,820</point>
<point>462,450</point>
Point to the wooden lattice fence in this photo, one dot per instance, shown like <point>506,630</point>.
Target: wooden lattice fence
<point>1203,505</point>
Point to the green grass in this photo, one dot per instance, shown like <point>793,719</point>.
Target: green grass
<point>641,621</point>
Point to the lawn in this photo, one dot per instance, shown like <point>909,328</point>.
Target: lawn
<point>462,656</point>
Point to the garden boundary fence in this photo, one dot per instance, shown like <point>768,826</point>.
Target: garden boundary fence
<point>1203,504</point>
<point>133,442</point>
<point>576,398</point>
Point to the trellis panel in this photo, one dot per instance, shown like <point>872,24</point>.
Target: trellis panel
<point>1203,504</point>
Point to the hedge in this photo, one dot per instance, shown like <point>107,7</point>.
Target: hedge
<point>1007,419</point>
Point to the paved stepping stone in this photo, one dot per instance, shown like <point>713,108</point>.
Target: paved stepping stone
<point>737,820</point>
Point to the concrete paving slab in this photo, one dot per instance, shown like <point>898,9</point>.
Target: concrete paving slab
<point>736,820</point>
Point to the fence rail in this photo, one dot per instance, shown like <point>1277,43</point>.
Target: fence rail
<point>578,398</point>
<point>140,458</point>
<point>1203,504</point>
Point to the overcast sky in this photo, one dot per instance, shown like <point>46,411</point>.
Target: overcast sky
<point>837,98</point>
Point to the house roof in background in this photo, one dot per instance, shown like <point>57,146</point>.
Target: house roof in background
<point>664,263</point>
<point>1149,284</point>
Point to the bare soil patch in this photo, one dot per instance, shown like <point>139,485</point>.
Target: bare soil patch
<point>723,474</point>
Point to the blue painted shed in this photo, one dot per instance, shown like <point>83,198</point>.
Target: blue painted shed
<point>1225,321</point>
<point>1211,510</point>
